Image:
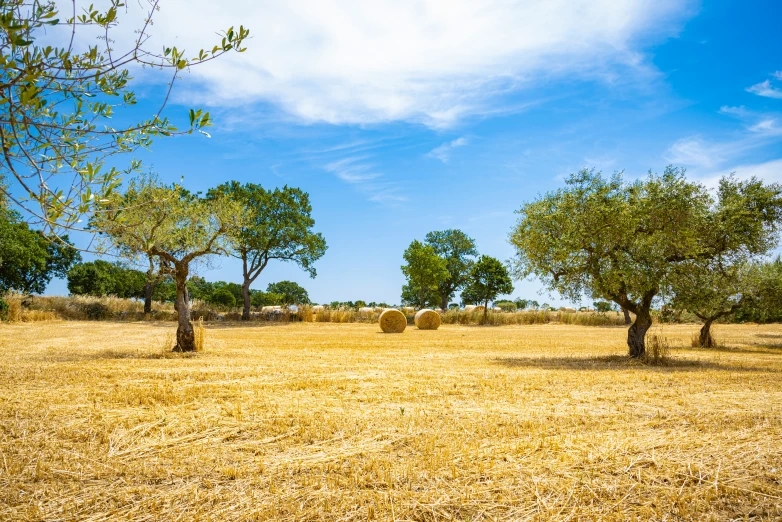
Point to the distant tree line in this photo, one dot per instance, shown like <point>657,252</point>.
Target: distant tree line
<point>100,278</point>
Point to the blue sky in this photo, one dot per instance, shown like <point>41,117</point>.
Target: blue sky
<point>404,117</point>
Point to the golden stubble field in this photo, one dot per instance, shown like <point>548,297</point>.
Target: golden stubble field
<point>340,422</point>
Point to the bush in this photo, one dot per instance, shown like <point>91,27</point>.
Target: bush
<point>3,310</point>
<point>96,311</point>
<point>224,297</point>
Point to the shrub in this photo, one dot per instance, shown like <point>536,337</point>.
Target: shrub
<point>96,311</point>
<point>224,297</point>
<point>3,310</point>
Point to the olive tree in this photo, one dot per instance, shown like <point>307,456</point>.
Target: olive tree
<point>487,279</point>
<point>175,226</point>
<point>61,105</point>
<point>741,227</point>
<point>277,225</point>
<point>457,249</point>
<point>623,241</point>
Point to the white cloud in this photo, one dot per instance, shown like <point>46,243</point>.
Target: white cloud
<point>362,174</point>
<point>430,61</point>
<point>769,171</point>
<point>765,89</point>
<point>352,170</point>
<point>443,152</point>
<point>767,127</point>
<point>777,75</point>
<point>696,152</point>
<point>740,111</point>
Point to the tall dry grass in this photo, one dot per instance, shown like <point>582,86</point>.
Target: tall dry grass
<point>532,317</point>
<point>112,308</point>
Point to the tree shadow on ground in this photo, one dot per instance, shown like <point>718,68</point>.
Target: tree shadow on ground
<point>623,363</point>
<point>760,349</point>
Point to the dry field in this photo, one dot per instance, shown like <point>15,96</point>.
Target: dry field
<point>319,421</point>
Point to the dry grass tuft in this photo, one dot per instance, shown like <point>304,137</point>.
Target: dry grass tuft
<point>200,335</point>
<point>392,321</point>
<point>319,421</point>
<point>658,349</point>
<point>427,319</point>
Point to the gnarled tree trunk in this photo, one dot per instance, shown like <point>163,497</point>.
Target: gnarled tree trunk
<point>185,335</point>
<point>705,340</point>
<point>148,297</point>
<point>149,287</point>
<point>628,320</point>
<point>247,300</point>
<point>636,334</point>
<point>444,302</point>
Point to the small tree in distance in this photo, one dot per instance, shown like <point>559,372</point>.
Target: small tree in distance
<point>277,225</point>
<point>457,249</point>
<point>291,292</point>
<point>488,278</point>
<point>425,272</point>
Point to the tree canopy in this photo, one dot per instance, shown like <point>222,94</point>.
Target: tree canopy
<point>101,278</point>
<point>289,292</point>
<point>28,258</point>
<point>277,225</point>
<point>457,249</point>
<point>425,272</point>
<point>488,278</point>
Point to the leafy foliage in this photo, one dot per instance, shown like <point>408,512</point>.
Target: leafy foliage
<point>425,272</point>
<point>290,292</point>
<point>28,258</point>
<point>277,225</point>
<point>488,278</point>
<point>457,249</point>
<point>100,278</point>
<point>59,105</point>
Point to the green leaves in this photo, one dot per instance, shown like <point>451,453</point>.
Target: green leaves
<point>488,278</point>
<point>629,241</point>
<point>425,272</point>
<point>60,104</point>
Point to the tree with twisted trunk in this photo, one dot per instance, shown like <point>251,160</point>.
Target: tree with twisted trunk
<point>175,226</point>
<point>628,241</point>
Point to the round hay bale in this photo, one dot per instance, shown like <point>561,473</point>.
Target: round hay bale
<point>427,319</point>
<point>393,321</point>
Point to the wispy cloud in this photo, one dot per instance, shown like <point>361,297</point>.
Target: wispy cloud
<point>767,127</point>
<point>694,151</point>
<point>353,170</point>
<point>768,171</point>
<point>361,173</point>
<point>443,152</point>
<point>765,89</point>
